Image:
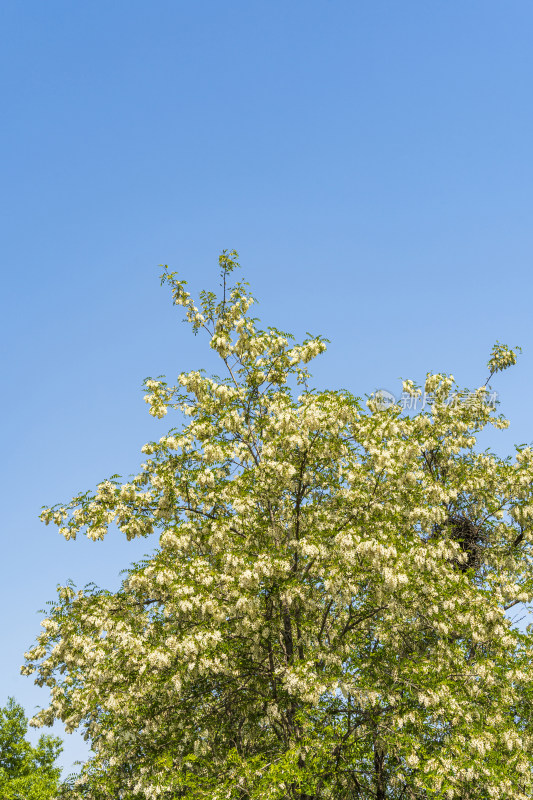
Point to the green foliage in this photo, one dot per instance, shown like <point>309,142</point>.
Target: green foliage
<point>26,772</point>
<point>501,358</point>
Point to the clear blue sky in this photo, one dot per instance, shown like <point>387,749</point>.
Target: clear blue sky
<point>371,161</point>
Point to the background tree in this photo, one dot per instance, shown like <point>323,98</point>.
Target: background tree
<point>26,772</point>
<point>325,614</point>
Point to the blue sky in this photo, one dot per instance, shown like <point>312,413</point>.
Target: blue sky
<point>371,161</point>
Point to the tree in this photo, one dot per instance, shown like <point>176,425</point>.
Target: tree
<point>26,772</point>
<point>325,614</point>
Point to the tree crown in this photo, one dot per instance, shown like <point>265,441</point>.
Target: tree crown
<point>325,613</point>
<point>26,771</point>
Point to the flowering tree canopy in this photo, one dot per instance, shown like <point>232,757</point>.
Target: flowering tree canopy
<point>324,617</point>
